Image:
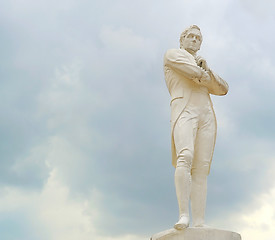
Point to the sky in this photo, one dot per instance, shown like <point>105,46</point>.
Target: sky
<point>85,131</point>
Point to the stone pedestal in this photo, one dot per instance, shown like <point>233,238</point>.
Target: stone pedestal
<point>196,234</point>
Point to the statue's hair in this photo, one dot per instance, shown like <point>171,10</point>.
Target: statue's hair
<point>185,32</point>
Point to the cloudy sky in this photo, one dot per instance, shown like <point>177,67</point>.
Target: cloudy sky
<point>85,133</point>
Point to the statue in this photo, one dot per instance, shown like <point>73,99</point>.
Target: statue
<point>193,134</point>
<point>193,123</point>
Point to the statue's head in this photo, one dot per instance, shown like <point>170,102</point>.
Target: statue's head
<point>191,39</point>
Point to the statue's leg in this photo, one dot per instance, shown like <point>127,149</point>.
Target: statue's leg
<point>198,197</point>
<point>184,136</point>
<point>204,144</point>
<point>183,187</point>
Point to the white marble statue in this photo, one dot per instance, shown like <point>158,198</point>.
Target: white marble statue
<point>193,123</point>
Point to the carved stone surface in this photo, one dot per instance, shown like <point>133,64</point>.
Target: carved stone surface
<point>196,234</point>
<point>190,82</point>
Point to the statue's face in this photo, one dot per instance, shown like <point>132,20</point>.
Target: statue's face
<point>192,41</point>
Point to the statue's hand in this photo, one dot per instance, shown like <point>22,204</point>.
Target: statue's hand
<point>201,62</point>
<point>205,78</point>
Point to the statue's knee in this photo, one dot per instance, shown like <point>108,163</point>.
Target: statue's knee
<point>185,159</point>
<point>202,170</point>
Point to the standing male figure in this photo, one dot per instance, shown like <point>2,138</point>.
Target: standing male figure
<point>193,123</point>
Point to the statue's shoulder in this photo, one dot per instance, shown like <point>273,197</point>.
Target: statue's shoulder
<point>175,52</point>
<point>172,51</point>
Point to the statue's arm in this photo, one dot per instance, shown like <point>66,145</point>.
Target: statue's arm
<point>178,61</point>
<point>217,85</point>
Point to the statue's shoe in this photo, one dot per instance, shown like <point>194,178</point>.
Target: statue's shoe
<point>202,226</point>
<point>182,223</point>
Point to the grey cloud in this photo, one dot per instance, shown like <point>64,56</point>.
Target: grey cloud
<point>85,85</point>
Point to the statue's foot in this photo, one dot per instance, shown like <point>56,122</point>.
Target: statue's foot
<point>182,223</point>
<point>202,226</point>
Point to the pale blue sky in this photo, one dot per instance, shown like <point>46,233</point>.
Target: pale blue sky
<point>85,133</point>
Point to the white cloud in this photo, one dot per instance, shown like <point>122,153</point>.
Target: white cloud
<point>256,219</point>
<point>54,211</point>
<point>13,199</point>
<point>260,221</point>
<point>126,54</point>
<point>61,96</point>
<point>63,218</point>
<point>124,39</point>
<point>260,9</point>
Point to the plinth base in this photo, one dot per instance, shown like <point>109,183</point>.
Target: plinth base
<point>196,234</point>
